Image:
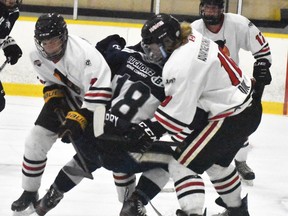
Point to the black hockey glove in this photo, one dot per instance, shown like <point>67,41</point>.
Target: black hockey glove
<point>54,98</point>
<point>261,72</point>
<point>140,136</point>
<point>109,43</point>
<point>12,51</point>
<point>74,124</point>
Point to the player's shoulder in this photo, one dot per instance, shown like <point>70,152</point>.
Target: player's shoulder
<point>236,19</point>
<point>197,24</point>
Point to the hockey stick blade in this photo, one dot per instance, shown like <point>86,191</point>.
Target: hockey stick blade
<point>77,172</point>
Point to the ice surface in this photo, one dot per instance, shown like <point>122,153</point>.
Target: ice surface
<point>268,158</point>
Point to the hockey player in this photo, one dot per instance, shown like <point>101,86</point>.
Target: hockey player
<point>9,13</point>
<point>199,74</point>
<point>138,90</point>
<point>234,32</point>
<point>72,72</point>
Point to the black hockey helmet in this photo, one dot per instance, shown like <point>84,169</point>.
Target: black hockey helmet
<point>11,4</point>
<point>163,30</point>
<point>47,27</point>
<point>211,19</point>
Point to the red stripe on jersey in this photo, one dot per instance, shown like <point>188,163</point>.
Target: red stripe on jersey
<point>33,168</point>
<point>98,95</point>
<point>199,142</point>
<point>231,73</point>
<point>167,124</point>
<point>189,184</point>
<point>179,137</point>
<point>228,184</point>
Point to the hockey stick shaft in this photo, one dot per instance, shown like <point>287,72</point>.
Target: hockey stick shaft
<point>259,89</point>
<point>122,140</point>
<point>4,64</point>
<point>86,172</point>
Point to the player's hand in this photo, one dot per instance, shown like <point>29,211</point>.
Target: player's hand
<point>261,72</point>
<point>11,50</point>
<point>54,98</point>
<point>109,43</point>
<point>140,136</point>
<point>74,125</point>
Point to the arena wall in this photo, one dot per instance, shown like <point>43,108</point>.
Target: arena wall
<point>21,80</point>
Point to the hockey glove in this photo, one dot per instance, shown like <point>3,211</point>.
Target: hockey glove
<point>261,72</point>
<point>54,98</point>
<point>11,50</point>
<point>74,125</point>
<point>109,43</point>
<point>140,136</point>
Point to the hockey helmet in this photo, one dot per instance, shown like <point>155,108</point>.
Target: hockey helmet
<point>10,4</point>
<point>51,26</point>
<point>214,17</point>
<point>160,35</point>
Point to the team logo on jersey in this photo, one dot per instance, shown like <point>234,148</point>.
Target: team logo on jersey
<point>37,63</point>
<point>139,67</point>
<point>157,81</point>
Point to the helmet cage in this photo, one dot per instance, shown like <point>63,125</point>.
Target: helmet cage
<point>160,35</point>
<point>10,6</point>
<point>48,27</point>
<point>214,19</point>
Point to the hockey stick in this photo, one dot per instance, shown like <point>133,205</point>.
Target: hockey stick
<point>121,140</point>
<point>4,64</point>
<point>72,170</point>
<point>258,91</point>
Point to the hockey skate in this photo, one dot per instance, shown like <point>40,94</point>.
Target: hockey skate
<point>182,213</point>
<point>49,201</point>
<point>25,204</point>
<point>133,207</point>
<point>237,211</point>
<point>246,173</point>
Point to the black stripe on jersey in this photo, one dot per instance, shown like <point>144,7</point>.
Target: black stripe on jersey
<point>97,101</point>
<point>261,56</point>
<point>100,89</point>
<point>171,119</point>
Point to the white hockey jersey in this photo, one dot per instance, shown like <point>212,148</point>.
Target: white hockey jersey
<point>199,74</point>
<point>82,69</point>
<point>237,32</point>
